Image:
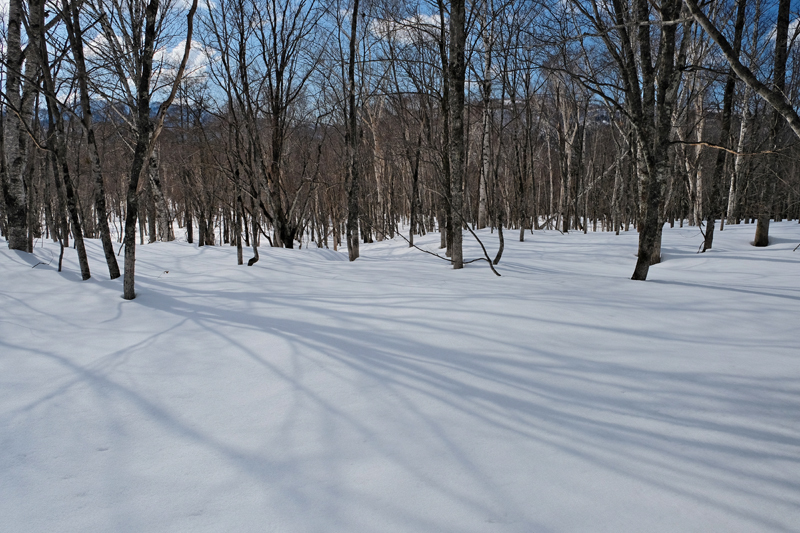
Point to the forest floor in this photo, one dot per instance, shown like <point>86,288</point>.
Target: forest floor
<point>393,394</point>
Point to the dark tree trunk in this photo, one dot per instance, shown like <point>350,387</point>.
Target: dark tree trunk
<point>444,178</point>
<point>56,136</point>
<point>500,238</point>
<point>714,198</point>
<point>144,134</point>
<point>63,178</point>
<point>71,17</point>
<point>762,231</point>
<point>353,178</point>
<point>414,162</point>
<point>189,224</point>
<point>779,85</point>
<point>654,144</point>
<point>456,81</point>
<point>150,209</point>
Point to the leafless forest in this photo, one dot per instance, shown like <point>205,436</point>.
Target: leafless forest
<point>284,122</point>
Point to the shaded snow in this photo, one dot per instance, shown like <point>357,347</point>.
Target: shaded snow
<point>310,394</point>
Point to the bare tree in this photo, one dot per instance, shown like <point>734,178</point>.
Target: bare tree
<point>776,98</point>
<point>71,17</point>
<point>131,33</point>
<point>56,135</point>
<point>650,79</point>
<point>715,198</point>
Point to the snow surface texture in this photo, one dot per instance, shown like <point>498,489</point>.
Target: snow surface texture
<point>310,394</point>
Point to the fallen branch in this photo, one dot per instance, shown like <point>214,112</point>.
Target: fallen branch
<point>442,257</point>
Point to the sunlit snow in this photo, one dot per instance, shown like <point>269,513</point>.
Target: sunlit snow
<point>393,394</point>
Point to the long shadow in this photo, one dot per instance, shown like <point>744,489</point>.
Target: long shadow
<point>590,409</point>
<point>783,240</point>
<point>727,289</point>
<point>728,256</point>
<point>531,403</point>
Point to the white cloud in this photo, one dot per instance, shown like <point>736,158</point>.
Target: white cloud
<point>171,58</point>
<point>794,28</point>
<point>415,29</point>
<point>95,48</point>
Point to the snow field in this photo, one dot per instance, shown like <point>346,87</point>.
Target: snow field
<point>310,394</point>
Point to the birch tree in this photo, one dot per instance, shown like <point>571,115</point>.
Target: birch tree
<point>132,29</point>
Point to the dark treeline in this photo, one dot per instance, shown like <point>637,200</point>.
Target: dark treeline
<point>286,122</point>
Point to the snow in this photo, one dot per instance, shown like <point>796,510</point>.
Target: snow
<point>310,394</point>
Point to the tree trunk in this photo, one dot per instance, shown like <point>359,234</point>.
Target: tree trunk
<point>762,231</point>
<point>738,162</point>
<point>15,135</point>
<point>779,85</point>
<point>501,239</point>
<point>415,207</point>
<point>71,17</point>
<point>654,150</point>
<point>486,132</point>
<point>457,74</point>
<point>58,146</point>
<point>144,135</point>
<point>237,227</point>
<point>56,137</point>
<point>353,177</point>
<point>162,217</point>
<point>714,199</point>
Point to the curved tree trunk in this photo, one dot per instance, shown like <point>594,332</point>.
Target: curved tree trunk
<point>71,18</point>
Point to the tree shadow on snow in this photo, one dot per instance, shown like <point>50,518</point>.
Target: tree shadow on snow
<point>685,433</point>
<point>641,424</point>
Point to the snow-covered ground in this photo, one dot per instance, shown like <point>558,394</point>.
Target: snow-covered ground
<point>310,394</point>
